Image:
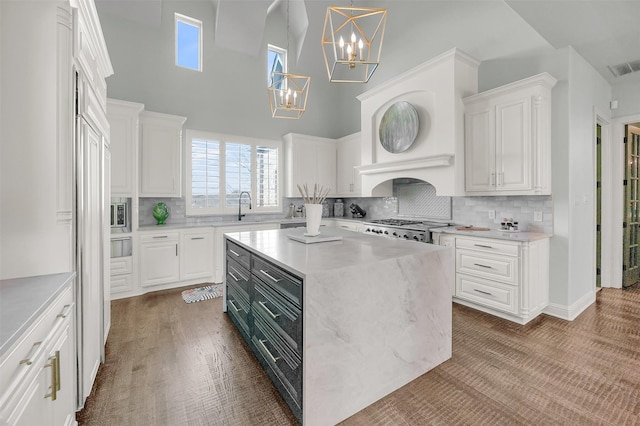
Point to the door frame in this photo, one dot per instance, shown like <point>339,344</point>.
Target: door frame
<point>613,193</point>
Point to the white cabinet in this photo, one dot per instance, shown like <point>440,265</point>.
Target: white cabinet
<point>310,160</point>
<point>38,375</point>
<point>508,139</point>
<point>159,258</point>
<point>348,157</point>
<point>219,251</point>
<point>160,154</point>
<point>506,278</point>
<point>346,224</point>
<point>196,254</point>
<point>447,240</point>
<point>124,131</point>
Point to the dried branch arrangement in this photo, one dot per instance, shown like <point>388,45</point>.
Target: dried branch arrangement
<point>318,196</point>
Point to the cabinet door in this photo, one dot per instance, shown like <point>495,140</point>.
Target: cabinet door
<point>196,257</point>
<point>123,122</point>
<point>160,155</point>
<point>159,261</point>
<point>348,157</point>
<point>304,165</point>
<point>64,405</point>
<point>326,166</point>
<point>480,150</point>
<point>513,145</point>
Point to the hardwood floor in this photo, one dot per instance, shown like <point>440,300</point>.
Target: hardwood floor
<point>172,363</point>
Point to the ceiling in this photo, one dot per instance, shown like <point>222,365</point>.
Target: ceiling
<point>604,32</point>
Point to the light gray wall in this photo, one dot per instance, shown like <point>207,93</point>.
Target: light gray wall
<point>626,90</point>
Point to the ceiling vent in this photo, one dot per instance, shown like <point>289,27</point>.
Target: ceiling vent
<point>625,68</point>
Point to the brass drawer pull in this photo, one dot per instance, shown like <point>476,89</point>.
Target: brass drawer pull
<point>65,312</point>
<point>233,305</point>
<point>53,364</point>
<point>28,359</point>
<point>483,266</point>
<point>483,292</point>
<point>197,238</point>
<point>274,316</point>
<point>234,253</point>
<point>270,276</point>
<point>161,236</point>
<point>273,359</point>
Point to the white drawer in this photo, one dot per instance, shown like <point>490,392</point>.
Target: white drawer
<point>159,237</point>
<point>121,283</point>
<point>121,265</point>
<point>488,293</point>
<point>487,245</point>
<point>500,267</point>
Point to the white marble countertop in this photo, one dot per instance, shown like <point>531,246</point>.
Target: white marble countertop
<point>22,300</point>
<point>520,236</point>
<point>354,248</point>
<point>223,223</point>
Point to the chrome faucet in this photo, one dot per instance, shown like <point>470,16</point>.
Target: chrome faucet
<point>240,203</point>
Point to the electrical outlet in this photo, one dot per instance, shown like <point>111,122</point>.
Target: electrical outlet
<point>537,216</point>
<point>492,214</point>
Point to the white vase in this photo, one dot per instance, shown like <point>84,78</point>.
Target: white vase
<point>314,216</point>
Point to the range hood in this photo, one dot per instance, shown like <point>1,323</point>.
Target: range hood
<point>435,89</point>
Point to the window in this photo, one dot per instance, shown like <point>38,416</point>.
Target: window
<point>188,42</point>
<point>276,61</point>
<point>219,168</point>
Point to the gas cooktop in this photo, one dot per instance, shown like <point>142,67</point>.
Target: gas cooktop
<point>405,222</point>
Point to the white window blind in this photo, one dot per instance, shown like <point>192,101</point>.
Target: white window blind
<point>267,176</point>
<point>205,173</point>
<point>221,167</point>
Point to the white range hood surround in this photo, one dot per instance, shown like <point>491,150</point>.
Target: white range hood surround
<point>435,89</point>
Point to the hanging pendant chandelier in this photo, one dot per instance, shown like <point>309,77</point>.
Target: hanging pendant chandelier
<point>352,42</point>
<point>288,92</point>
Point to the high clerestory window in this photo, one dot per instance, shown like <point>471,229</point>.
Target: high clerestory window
<point>188,42</point>
<point>276,61</point>
<point>220,167</point>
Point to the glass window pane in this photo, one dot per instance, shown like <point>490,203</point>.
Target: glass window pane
<point>267,176</point>
<point>205,173</point>
<point>188,39</point>
<point>238,171</point>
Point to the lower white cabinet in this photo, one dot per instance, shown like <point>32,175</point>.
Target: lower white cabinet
<point>346,224</point>
<point>196,254</point>
<point>176,257</point>
<point>159,258</point>
<point>509,279</point>
<point>39,376</point>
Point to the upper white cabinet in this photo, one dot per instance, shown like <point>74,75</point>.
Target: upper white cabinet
<point>508,139</point>
<point>160,154</point>
<point>310,160</point>
<point>124,121</point>
<point>348,178</point>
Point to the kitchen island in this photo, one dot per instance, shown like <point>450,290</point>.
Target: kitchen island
<point>375,313</point>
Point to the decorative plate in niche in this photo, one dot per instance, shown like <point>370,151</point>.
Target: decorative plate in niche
<point>399,127</point>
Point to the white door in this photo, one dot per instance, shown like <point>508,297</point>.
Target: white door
<point>90,252</point>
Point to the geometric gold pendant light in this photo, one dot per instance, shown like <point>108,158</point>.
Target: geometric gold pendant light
<point>352,42</point>
<point>288,92</point>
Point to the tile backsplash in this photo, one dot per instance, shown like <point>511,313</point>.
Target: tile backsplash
<point>464,210</point>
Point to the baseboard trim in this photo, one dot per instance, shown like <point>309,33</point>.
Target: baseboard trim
<point>571,312</point>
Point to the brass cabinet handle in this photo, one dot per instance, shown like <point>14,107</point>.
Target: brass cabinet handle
<point>197,238</point>
<point>273,359</point>
<point>270,276</point>
<point>65,312</point>
<point>28,360</point>
<point>261,303</point>
<point>53,364</point>
<point>161,236</point>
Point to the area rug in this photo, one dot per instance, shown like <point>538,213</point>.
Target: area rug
<point>203,293</point>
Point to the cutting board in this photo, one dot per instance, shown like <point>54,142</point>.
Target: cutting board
<point>471,228</point>
<point>317,239</point>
